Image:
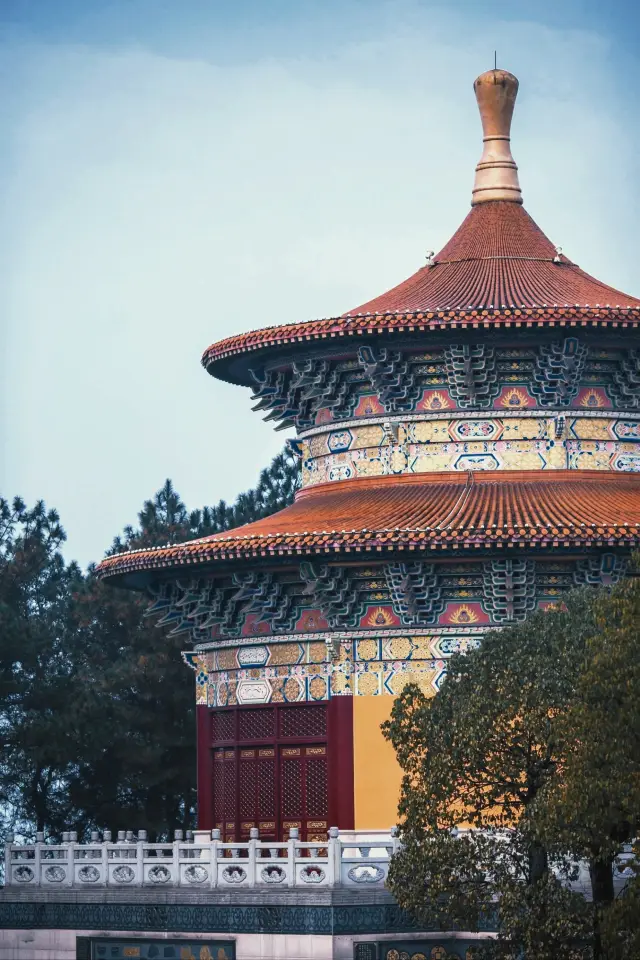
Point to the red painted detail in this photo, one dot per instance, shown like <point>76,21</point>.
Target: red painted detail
<point>368,406</point>
<point>324,415</point>
<point>463,614</point>
<point>593,398</point>
<point>377,615</point>
<point>340,752</point>
<point>311,620</point>
<point>516,397</point>
<point>205,768</point>
<point>254,625</point>
<point>436,400</point>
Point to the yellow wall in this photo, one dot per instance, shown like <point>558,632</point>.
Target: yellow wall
<point>376,772</point>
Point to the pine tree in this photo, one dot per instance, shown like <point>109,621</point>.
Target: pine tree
<point>97,723</point>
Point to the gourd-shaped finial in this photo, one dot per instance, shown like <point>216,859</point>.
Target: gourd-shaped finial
<point>497,173</point>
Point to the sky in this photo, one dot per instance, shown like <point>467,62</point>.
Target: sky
<point>176,171</point>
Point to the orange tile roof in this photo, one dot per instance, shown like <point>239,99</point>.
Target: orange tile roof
<point>498,269</point>
<point>454,511</point>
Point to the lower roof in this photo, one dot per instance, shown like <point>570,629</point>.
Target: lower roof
<point>443,512</point>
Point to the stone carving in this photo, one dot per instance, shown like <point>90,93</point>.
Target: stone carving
<point>415,591</point>
<point>273,874</point>
<point>234,874</point>
<point>89,874</point>
<point>366,873</point>
<point>196,874</point>
<point>509,589</point>
<point>159,874</point>
<point>23,874</point>
<point>312,874</point>
<point>55,874</point>
<point>124,874</point>
<point>559,367</point>
<point>472,374</point>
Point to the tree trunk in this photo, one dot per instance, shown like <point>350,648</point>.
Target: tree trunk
<point>601,874</point>
<point>538,862</point>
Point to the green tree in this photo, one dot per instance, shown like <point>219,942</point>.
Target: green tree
<point>477,756</point>
<point>39,680</point>
<point>592,807</point>
<point>139,766</point>
<point>96,707</point>
<point>535,736</point>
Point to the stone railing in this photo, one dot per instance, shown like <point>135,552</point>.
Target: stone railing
<point>199,863</point>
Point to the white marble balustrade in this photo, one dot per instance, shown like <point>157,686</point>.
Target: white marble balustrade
<point>200,862</point>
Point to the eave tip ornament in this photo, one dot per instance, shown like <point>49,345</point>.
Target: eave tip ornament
<point>496,173</point>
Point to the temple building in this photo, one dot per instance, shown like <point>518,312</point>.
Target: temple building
<point>469,450</point>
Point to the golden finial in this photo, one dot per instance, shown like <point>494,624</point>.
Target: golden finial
<point>497,173</point>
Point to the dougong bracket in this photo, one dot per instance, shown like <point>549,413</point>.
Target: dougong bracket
<point>472,374</point>
<point>558,370</point>
<point>415,591</point>
<point>509,588</point>
<point>393,378</point>
<point>334,592</point>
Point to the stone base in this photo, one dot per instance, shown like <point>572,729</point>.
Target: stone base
<point>67,944</point>
<point>290,925</point>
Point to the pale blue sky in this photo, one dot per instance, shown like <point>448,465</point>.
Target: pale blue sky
<point>174,172</point>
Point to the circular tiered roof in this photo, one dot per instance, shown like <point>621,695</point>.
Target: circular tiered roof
<point>498,271</point>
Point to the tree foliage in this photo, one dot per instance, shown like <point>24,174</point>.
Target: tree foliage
<point>522,765</point>
<point>97,720</point>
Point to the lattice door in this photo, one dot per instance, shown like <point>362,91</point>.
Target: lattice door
<point>304,795</point>
<point>224,792</point>
<point>257,792</point>
<point>270,772</point>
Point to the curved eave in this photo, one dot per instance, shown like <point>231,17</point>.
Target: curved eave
<point>218,358</point>
<point>495,510</point>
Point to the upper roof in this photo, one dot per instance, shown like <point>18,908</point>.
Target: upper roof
<point>498,269</point>
<point>500,509</point>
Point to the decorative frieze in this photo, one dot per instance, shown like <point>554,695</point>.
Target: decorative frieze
<point>379,380</point>
<point>509,587</point>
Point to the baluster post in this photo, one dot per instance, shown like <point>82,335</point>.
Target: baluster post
<point>254,834</point>
<point>395,838</point>
<point>333,856</point>
<point>177,840</point>
<point>37,856</point>
<point>73,842</point>
<point>142,839</point>
<point>8,870</point>
<point>215,840</point>
<point>37,860</point>
<point>106,840</point>
<point>291,856</point>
